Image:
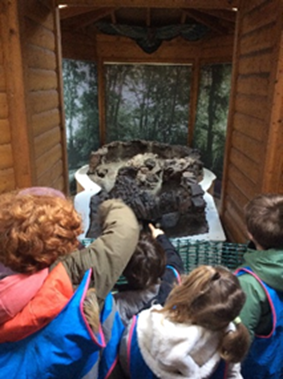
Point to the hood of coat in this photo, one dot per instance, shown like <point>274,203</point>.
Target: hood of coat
<point>17,290</point>
<point>174,350</point>
<point>268,265</point>
<point>129,303</point>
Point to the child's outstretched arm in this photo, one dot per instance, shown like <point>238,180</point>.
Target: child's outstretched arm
<point>109,254</point>
<point>173,257</point>
<point>174,264</point>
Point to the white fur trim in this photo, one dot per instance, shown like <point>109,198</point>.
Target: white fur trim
<point>172,350</point>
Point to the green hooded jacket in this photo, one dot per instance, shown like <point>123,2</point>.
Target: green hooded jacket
<point>268,266</point>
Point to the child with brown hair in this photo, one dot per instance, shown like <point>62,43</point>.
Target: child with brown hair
<point>197,334</point>
<point>151,273</point>
<point>43,307</point>
<point>260,277</point>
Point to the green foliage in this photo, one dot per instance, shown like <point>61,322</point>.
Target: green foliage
<point>212,112</point>
<point>81,112</point>
<point>147,102</point>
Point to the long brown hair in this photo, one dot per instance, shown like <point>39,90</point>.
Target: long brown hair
<point>211,297</point>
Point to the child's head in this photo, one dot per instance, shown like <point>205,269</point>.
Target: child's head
<point>147,263</point>
<point>208,296</point>
<point>35,230</point>
<point>264,220</point>
<point>211,297</point>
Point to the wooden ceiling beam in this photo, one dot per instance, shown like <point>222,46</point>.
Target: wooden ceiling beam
<point>207,21</point>
<point>47,3</point>
<point>74,11</point>
<point>222,14</point>
<point>195,4</point>
<point>86,19</point>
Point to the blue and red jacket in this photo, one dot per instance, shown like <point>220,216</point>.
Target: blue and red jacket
<point>265,358</point>
<point>113,329</point>
<point>65,348</point>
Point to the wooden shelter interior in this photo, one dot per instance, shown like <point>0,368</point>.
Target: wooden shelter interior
<point>35,35</point>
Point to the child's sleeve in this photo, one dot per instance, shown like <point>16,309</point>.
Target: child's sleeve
<point>173,257</point>
<point>174,260</point>
<point>125,348</point>
<point>109,254</point>
<point>255,298</point>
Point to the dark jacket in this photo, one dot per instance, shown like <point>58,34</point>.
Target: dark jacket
<point>130,302</point>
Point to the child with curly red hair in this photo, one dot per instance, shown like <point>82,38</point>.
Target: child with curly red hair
<point>47,328</point>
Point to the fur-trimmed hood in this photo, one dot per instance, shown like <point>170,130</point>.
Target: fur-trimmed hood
<point>174,350</point>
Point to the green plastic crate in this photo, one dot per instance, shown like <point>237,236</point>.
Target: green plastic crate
<point>196,253</point>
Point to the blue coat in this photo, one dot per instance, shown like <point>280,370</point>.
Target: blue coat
<point>265,358</point>
<point>65,348</point>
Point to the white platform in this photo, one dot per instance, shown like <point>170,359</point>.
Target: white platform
<point>215,230</point>
<point>82,201</point>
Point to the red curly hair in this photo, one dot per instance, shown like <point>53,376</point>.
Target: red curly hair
<point>36,230</point>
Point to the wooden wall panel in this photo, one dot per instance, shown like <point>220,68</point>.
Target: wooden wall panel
<point>52,176</point>
<point>45,121</point>
<point>253,106</point>
<point>42,80</point>
<point>7,180</point>
<point>77,45</point>
<point>44,94</point>
<point>258,14</point>
<point>256,129</point>
<point>249,167</point>
<point>46,141</point>
<point>253,85</point>
<point>42,101</point>
<point>258,39</point>
<point>3,106</point>
<point>5,135</point>
<point>254,113</point>
<point>7,174</point>
<point>6,158</point>
<point>41,59</point>
<point>41,37</point>
<point>121,49</point>
<point>49,159</point>
<point>32,134</point>
<point>247,146</point>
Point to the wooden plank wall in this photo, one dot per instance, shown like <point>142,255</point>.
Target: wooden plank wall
<point>44,83</point>
<point>254,140</point>
<point>7,174</point>
<point>81,46</point>
<point>121,49</point>
<point>32,135</point>
<point>78,45</point>
<point>16,150</point>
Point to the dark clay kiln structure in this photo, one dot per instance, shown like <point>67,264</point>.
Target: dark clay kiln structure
<point>158,181</point>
